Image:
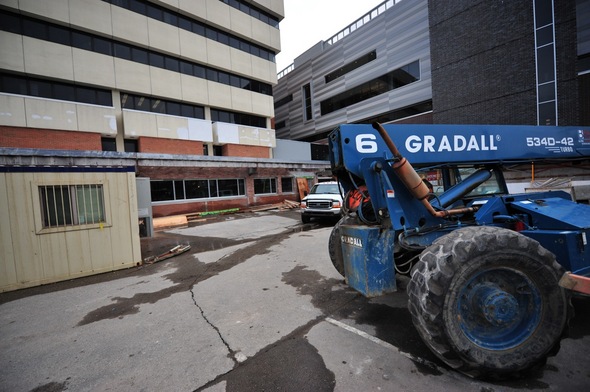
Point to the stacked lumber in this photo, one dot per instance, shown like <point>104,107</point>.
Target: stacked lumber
<point>284,205</point>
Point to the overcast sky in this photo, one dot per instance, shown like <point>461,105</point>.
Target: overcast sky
<point>309,21</point>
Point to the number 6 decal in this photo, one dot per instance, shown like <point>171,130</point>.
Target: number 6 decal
<point>365,143</point>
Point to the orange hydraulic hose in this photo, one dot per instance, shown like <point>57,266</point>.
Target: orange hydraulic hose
<point>405,171</point>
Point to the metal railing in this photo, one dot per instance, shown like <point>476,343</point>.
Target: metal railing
<point>357,24</point>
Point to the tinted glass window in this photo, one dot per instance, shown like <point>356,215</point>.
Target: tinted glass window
<point>547,113</point>
<point>264,185</point>
<point>184,23</point>
<point>81,40</point>
<point>130,145</point>
<point>158,106</point>
<point>10,23</point>
<point>173,108</point>
<point>108,144</point>
<point>287,184</point>
<point>14,85</point>
<point>170,18</point>
<point>157,60</point>
<point>545,64</point>
<point>39,88</point>
<point>137,6</point>
<point>103,46</point>
<point>59,35</point>
<point>162,190</point>
<point>543,12</point>
<point>64,92</point>
<point>186,68</point>
<point>172,64</point>
<point>122,51</point>
<point>196,189</point>
<point>34,29</point>
<point>187,110</point>
<point>84,94</point>
<point>139,55</point>
<point>546,92</point>
<point>230,187</point>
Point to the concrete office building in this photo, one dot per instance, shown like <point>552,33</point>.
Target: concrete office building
<point>426,61</point>
<point>171,77</point>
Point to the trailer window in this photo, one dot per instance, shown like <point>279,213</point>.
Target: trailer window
<point>69,205</point>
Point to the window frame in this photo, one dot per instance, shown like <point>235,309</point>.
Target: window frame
<point>273,186</point>
<point>72,188</point>
<point>284,179</point>
<point>213,190</point>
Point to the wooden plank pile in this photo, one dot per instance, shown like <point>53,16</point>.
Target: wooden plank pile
<point>284,205</point>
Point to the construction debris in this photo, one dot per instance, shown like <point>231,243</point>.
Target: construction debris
<point>178,249</point>
<point>284,205</point>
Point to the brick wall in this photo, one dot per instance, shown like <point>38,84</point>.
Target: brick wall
<point>48,139</point>
<point>242,202</point>
<point>483,61</point>
<point>240,150</point>
<point>170,146</point>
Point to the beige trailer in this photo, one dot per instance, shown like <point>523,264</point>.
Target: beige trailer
<point>63,222</point>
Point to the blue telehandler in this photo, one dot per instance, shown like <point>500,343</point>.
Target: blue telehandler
<point>490,273</point>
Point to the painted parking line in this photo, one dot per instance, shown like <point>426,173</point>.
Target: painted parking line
<point>386,345</point>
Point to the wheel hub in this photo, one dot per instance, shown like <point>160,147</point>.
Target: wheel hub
<point>496,305</point>
<point>499,308</point>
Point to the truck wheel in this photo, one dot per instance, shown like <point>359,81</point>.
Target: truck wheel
<point>305,218</point>
<point>486,302</point>
<point>335,244</point>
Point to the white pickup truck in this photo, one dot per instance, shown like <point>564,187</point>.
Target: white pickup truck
<point>324,200</point>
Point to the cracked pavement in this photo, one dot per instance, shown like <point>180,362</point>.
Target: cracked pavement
<point>239,312</point>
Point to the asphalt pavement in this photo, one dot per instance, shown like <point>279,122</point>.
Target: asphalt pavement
<point>255,305</point>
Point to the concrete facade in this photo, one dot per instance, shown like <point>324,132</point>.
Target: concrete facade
<point>184,78</point>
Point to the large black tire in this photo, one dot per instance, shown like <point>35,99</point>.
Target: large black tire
<point>335,244</point>
<point>486,301</point>
<point>305,218</point>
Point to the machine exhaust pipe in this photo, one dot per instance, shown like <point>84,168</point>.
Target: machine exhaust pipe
<point>408,176</point>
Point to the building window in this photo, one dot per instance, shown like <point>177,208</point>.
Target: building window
<point>265,186</point>
<point>287,184</point>
<point>253,11</point>
<point>162,106</point>
<point>108,144</point>
<point>283,101</point>
<point>546,64</point>
<point>14,84</point>
<point>228,188</point>
<point>71,205</point>
<point>238,118</point>
<point>178,20</point>
<point>130,145</point>
<point>218,151</point>
<point>351,66</point>
<point>162,190</point>
<point>308,109</point>
<point>40,29</point>
<point>390,81</point>
<point>170,190</point>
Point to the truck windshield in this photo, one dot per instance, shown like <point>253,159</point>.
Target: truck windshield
<point>325,188</point>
